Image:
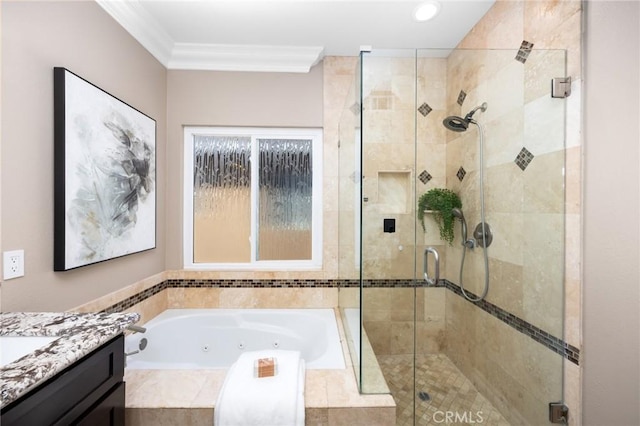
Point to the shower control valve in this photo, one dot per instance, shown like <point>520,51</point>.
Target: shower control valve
<point>470,243</point>
<point>483,234</point>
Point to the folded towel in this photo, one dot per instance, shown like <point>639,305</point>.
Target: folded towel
<point>248,400</point>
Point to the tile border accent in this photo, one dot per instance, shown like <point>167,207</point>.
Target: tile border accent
<point>556,344</point>
<point>131,301</point>
<point>553,343</point>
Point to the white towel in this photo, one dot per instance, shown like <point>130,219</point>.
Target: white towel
<point>246,400</point>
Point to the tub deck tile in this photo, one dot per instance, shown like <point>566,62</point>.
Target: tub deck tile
<point>188,397</point>
<point>200,389</point>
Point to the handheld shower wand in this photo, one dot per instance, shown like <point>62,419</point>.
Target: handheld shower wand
<point>482,234</point>
<point>463,223</point>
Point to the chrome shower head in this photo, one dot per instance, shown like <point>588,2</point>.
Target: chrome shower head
<point>459,124</point>
<point>455,123</point>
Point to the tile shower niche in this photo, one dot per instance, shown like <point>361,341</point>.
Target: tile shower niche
<point>394,192</point>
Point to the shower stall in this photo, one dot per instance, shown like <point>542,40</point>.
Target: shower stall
<point>484,342</point>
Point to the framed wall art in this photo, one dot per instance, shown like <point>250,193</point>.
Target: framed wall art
<point>104,175</point>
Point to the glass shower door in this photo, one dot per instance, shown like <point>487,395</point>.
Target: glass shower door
<point>500,359</point>
<point>443,357</point>
<point>388,217</point>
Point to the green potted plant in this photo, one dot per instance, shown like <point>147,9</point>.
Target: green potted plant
<point>441,202</point>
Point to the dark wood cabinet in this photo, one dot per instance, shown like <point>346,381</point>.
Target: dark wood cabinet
<point>89,392</point>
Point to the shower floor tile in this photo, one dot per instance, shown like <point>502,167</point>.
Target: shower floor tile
<point>449,392</point>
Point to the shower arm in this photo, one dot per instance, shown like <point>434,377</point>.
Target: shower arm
<point>482,108</point>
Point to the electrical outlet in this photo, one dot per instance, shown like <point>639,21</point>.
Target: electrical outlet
<point>13,262</point>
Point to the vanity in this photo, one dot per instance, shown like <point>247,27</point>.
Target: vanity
<point>70,370</point>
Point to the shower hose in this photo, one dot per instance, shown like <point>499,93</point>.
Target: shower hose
<point>482,221</point>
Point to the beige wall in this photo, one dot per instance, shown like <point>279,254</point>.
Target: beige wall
<point>611,210</point>
<point>209,98</point>
<point>80,36</point>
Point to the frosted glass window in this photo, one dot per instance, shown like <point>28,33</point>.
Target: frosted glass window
<point>221,199</point>
<point>285,199</point>
<point>255,198</point>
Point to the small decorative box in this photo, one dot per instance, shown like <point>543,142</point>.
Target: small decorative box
<point>265,367</point>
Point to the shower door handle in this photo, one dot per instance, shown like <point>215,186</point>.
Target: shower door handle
<point>436,258</point>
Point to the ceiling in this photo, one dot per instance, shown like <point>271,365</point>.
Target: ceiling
<point>285,35</point>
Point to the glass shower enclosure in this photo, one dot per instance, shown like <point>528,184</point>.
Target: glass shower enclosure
<point>443,357</point>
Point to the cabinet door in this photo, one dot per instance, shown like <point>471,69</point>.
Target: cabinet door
<point>108,412</point>
<point>63,398</point>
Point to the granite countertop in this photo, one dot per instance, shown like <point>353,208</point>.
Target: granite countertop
<point>79,334</point>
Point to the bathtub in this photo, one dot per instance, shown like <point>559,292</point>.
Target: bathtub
<point>215,338</point>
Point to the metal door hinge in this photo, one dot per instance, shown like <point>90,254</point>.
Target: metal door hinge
<point>560,87</point>
<point>558,413</point>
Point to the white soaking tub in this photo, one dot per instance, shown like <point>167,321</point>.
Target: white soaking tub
<point>214,338</point>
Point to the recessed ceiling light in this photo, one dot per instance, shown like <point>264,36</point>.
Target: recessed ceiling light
<point>426,10</point>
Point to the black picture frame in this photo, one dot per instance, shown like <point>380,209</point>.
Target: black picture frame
<point>104,175</point>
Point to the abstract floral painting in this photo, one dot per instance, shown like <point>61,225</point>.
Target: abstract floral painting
<point>105,158</point>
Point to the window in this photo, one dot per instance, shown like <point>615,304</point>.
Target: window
<point>253,198</point>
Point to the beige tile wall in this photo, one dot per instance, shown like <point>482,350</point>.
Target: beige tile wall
<point>524,208</point>
<point>110,299</point>
<point>339,137</point>
<point>390,179</point>
<point>225,298</point>
<point>539,222</point>
<point>536,223</point>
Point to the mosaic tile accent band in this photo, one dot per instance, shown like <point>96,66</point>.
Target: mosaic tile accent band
<point>554,343</point>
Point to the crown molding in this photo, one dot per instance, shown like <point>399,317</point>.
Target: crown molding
<point>225,57</point>
<point>133,17</point>
<point>142,26</point>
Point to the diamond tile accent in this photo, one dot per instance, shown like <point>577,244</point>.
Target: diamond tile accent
<point>425,177</point>
<point>461,97</point>
<point>461,173</point>
<point>525,50</point>
<point>355,108</point>
<point>425,109</point>
<point>524,158</point>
